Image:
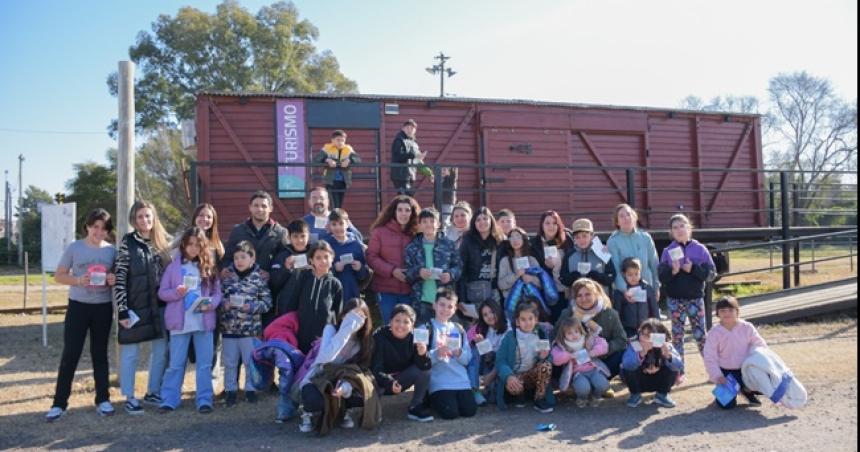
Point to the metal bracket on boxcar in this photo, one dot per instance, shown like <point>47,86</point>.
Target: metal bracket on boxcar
<point>524,148</point>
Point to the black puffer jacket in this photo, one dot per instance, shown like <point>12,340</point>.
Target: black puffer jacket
<point>477,258</point>
<point>404,150</point>
<point>268,242</point>
<point>138,273</point>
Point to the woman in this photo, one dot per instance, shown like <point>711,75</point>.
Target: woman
<point>390,233</point>
<point>461,216</point>
<point>478,253</point>
<point>142,256</point>
<point>629,241</point>
<point>592,304</point>
<point>86,266</point>
<point>552,234</point>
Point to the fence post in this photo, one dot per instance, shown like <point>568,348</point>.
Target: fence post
<point>786,231</point>
<point>437,187</point>
<point>709,297</point>
<point>631,187</point>
<point>770,252</point>
<point>772,211</point>
<point>851,252</point>
<point>797,264</point>
<point>813,255</point>
<point>26,276</point>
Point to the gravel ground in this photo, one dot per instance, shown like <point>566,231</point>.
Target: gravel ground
<point>822,355</point>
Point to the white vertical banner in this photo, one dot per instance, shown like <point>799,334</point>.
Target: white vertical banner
<point>58,231</point>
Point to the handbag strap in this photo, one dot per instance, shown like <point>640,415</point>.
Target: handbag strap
<point>493,264</point>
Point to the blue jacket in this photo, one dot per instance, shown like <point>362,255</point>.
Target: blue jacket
<point>506,359</point>
<point>322,233</point>
<point>637,244</point>
<point>348,278</point>
<point>630,360</point>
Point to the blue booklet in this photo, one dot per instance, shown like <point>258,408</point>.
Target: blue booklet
<point>725,393</point>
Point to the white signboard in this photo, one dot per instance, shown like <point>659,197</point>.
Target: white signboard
<point>58,231</point>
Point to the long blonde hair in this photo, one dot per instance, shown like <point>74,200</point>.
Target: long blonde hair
<point>157,236</point>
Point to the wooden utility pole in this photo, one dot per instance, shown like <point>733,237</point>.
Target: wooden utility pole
<point>125,151</point>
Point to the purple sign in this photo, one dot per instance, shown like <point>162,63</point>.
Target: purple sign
<point>290,120</point>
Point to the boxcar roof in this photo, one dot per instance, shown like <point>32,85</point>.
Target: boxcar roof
<point>384,97</point>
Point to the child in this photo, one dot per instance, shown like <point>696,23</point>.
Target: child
<point>588,376</point>
<point>185,280</point>
<point>516,246</point>
<point>247,297</point>
<point>519,364</point>
<point>400,363</point>
<point>582,262</point>
<point>428,250</point>
<point>339,378</point>
<point>281,351</point>
<point>350,266</point>
<point>337,157</point>
<point>684,281</point>
<point>450,390</point>
<point>647,368</point>
<point>728,345</point>
<point>634,311</point>
<point>283,265</point>
<point>317,295</point>
<point>490,326</point>
<point>449,194</point>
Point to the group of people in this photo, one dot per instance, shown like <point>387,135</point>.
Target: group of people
<point>471,311</point>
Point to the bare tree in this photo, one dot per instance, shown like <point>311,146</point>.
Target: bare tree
<point>816,134</point>
<point>729,103</point>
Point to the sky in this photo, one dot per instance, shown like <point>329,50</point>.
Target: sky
<point>55,56</point>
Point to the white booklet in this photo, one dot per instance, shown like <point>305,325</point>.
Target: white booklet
<point>597,247</point>
<point>200,301</point>
<point>132,318</point>
<point>470,310</point>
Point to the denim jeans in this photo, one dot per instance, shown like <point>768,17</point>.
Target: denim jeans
<point>171,388</point>
<point>233,350</point>
<point>128,354</point>
<point>387,301</point>
<point>592,382</point>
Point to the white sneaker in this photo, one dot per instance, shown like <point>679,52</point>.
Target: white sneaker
<point>307,424</point>
<point>54,413</point>
<point>347,421</point>
<point>105,409</point>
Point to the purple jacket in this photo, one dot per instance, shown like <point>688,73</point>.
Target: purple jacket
<point>174,313</point>
<point>687,285</point>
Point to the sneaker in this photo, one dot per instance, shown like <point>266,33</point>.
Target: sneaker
<point>164,409</point>
<point>205,409</point>
<point>664,400</point>
<point>105,409</point>
<point>751,398</point>
<point>307,424</point>
<point>347,421</point>
<point>285,411</point>
<point>479,398</point>
<point>634,400</point>
<point>542,406</point>
<point>54,413</point>
<point>595,402</point>
<point>230,398</point>
<point>608,394</point>
<point>152,399</point>
<point>519,401</point>
<point>581,403</point>
<point>251,396</point>
<point>133,407</point>
<point>419,413</point>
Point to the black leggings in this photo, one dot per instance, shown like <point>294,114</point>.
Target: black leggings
<point>314,402</point>
<point>80,319</point>
<point>453,403</point>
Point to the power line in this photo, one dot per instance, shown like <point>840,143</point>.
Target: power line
<point>51,132</point>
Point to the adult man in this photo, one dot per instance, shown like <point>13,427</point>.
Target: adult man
<point>405,150</point>
<point>265,233</point>
<point>317,219</point>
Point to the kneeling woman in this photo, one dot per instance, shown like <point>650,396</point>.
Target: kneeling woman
<point>400,363</point>
<point>340,378</point>
<point>649,367</point>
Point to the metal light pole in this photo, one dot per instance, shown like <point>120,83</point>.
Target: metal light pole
<point>20,210</point>
<point>442,71</point>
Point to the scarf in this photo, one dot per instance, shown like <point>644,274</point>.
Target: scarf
<point>587,315</point>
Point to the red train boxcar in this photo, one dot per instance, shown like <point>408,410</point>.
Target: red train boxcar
<point>523,155</point>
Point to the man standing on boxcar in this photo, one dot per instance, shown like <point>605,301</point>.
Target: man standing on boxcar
<point>405,150</point>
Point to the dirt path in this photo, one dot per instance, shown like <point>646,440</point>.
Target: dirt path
<point>822,355</point>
